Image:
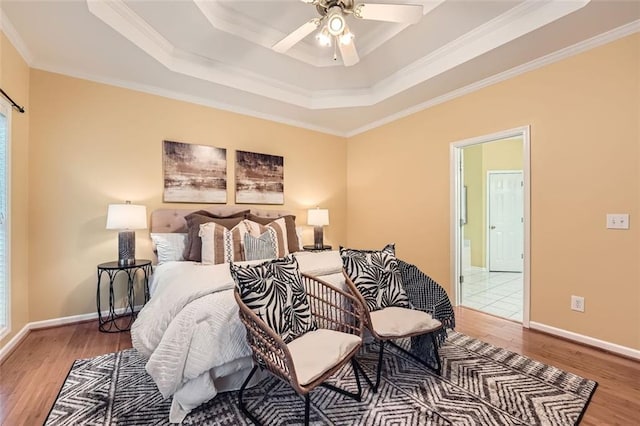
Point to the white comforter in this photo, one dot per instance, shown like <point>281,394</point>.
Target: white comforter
<point>191,334</point>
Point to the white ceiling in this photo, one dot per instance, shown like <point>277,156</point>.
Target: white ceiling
<point>218,53</point>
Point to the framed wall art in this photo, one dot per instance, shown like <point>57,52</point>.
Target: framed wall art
<point>194,173</point>
<point>259,178</point>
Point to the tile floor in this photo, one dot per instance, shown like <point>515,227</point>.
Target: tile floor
<point>497,293</point>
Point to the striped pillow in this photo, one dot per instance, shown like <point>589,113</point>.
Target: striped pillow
<point>222,245</point>
<point>262,247</point>
<point>278,227</point>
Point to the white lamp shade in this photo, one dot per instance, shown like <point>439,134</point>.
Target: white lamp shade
<point>126,216</point>
<point>318,217</point>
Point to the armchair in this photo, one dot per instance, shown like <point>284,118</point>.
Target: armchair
<point>304,360</point>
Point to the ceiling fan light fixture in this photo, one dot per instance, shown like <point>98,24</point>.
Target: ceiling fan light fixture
<point>323,37</point>
<point>346,37</point>
<point>335,21</point>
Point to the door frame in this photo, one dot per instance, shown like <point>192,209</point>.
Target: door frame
<point>488,210</point>
<point>455,180</point>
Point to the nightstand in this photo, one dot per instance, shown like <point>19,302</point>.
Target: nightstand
<point>313,248</point>
<point>108,323</point>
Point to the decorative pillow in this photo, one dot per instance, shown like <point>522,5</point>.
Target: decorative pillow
<point>193,247</point>
<point>277,227</point>
<point>222,245</point>
<point>376,275</point>
<point>290,229</point>
<point>274,291</point>
<point>299,236</point>
<point>169,246</point>
<point>262,247</point>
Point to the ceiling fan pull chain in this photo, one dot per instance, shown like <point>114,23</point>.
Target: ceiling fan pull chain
<point>335,48</point>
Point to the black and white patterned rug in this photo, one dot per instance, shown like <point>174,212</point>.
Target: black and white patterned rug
<point>480,385</point>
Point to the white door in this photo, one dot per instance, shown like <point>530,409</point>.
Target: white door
<point>506,227</point>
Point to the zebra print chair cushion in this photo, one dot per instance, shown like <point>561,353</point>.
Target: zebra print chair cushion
<point>274,291</point>
<point>376,275</point>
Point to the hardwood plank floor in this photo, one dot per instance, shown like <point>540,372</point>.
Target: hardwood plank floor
<point>32,375</point>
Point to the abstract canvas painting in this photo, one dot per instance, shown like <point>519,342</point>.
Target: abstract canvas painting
<point>259,178</point>
<point>194,173</point>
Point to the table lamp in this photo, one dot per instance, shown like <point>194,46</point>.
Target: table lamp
<point>126,218</point>
<point>318,218</point>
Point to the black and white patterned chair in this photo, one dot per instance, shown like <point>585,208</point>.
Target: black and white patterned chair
<point>300,329</point>
<point>374,278</point>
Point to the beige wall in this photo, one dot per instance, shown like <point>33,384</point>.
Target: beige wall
<point>504,154</point>
<point>474,228</point>
<point>585,162</point>
<point>84,145</point>
<point>93,144</point>
<point>14,79</point>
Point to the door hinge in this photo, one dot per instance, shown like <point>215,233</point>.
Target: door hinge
<point>521,255</point>
<point>461,279</point>
<point>521,183</point>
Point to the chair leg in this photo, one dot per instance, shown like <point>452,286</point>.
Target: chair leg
<point>364,374</point>
<point>435,369</point>
<point>357,396</point>
<point>375,388</point>
<point>243,408</point>
<point>356,367</point>
<point>307,403</point>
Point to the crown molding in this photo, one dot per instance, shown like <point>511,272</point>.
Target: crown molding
<point>10,32</point>
<point>179,96</point>
<point>583,46</point>
<point>521,19</point>
<point>126,22</point>
<point>516,22</point>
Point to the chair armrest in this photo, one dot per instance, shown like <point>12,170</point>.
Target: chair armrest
<point>333,308</point>
<point>269,350</point>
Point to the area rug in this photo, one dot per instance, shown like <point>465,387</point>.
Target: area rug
<point>480,385</point>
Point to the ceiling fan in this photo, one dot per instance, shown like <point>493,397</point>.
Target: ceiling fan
<point>334,29</point>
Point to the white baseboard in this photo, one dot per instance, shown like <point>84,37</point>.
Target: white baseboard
<point>591,341</point>
<point>15,340</point>
<point>54,322</point>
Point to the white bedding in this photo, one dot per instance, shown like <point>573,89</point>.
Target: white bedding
<point>191,334</point>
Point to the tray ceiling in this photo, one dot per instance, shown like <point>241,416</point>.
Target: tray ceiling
<point>219,53</point>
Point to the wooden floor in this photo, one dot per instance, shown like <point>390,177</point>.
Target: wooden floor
<point>32,375</point>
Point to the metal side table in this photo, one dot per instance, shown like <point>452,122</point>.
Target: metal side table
<point>109,323</point>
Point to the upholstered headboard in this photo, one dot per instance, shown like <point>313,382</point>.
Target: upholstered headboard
<point>172,220</point>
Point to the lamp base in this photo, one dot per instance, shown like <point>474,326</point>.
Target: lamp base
<point>317,237</point>
<point>126,248</point>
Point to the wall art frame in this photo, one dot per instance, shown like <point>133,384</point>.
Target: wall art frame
<point>259,178</point>
<point>194,173</point>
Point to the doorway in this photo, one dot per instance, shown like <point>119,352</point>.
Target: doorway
<point>490,230</point>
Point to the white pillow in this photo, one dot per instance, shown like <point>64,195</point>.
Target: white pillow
<point>169,246</point>
<point>299,235</point>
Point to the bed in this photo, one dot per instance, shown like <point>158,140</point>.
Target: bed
<point>190,331</point>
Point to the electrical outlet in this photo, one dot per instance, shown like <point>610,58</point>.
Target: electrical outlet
<point>577,303</point>
<point>617,221</point>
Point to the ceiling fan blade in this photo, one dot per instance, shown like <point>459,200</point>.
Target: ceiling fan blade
<point>405,13</point>
<point>349,53</point>
<point>298,34</point>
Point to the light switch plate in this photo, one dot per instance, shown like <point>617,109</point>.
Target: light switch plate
<point>617,221</point>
